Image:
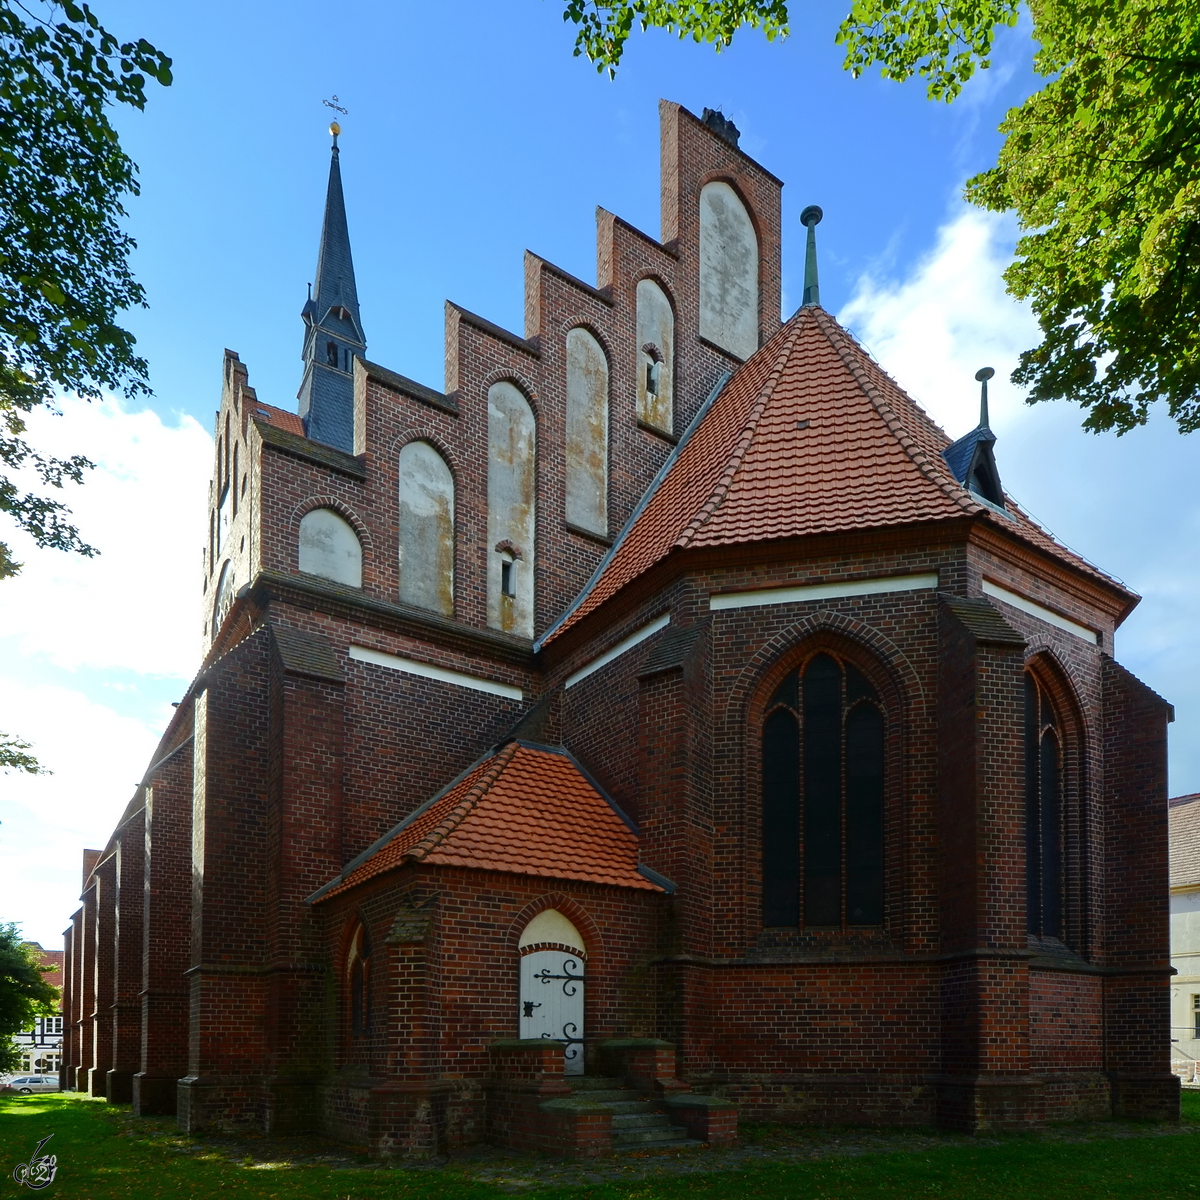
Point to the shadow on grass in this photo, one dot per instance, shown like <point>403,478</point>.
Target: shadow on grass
<point>103,1155</point>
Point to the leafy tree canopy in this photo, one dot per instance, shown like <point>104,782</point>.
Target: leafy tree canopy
<point>1101,167</point>
<point>64,259</point>
<point>24,993</point>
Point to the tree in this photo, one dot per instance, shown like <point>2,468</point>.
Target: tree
<point>64,258</point>
<point>24,993</point>
<point>1101,167</point>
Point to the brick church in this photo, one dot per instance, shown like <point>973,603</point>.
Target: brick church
<point>663,722</point>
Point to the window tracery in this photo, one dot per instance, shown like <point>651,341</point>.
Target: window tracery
<point>822,799</point>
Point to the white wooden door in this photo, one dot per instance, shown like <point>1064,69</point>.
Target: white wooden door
<point>552,983</point>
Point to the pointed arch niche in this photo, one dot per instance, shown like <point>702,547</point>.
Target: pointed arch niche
<point>728,271</point>
<point>330,548</point>
<point>426,529</point>
<point>357,981</point>
<point>587,432</point>
<point>655,357</point>
<point>512,509</point>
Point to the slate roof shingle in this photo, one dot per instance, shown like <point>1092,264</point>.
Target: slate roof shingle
<point>809,436</point>
<point>527,810</point>
<point>1183,820</point>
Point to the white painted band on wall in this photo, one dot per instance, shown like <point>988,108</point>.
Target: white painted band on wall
<point>823,591</point>
<point>639,635</point>
<point>1036,610</point>
<point>441,674</point>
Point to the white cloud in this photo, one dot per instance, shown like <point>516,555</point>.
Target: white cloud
<point>1128,504</point>
<point>951,316</point>
<point>97,758</point>
<point>136,605</point>
<point>91,649</point>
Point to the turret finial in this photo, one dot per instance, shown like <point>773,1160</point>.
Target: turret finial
<point>810,218</point>
<point>335,129</point>
<point>983,375</point>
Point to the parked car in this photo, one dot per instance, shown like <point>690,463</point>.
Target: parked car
<point>26,1084</point>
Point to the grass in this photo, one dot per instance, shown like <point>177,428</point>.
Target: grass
<point>103,1155</point>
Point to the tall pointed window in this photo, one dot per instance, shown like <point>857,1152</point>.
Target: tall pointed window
<point>358,980</point>
<point>1043,813</point>
<point>822,799</point>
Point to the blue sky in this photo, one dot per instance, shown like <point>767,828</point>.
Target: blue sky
<point>472,135</point>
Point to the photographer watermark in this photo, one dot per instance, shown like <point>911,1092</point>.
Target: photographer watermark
<point>39,1171</point>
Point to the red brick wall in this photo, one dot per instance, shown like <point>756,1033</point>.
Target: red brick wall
<point>166,933</point>
<point>128,954</point>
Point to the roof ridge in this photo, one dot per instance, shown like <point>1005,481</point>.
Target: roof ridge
<point>440,832</point>
<point>745,439</point>
<point>892,420</point>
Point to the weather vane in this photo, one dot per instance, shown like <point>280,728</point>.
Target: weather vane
<point>335,105</point>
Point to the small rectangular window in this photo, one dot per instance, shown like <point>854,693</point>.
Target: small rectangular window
<point>507,584</point>
<point>1196,1017</point>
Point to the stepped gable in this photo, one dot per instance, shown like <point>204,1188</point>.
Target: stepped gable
<point>524,809</point>
<point>809,436</point>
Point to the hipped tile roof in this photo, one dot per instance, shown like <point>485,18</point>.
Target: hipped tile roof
<point>1183,822</point>
<point>528,810</point>
<point>809,436</point>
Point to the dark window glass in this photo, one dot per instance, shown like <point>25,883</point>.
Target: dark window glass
<point>823,772</point>
<point>1051,837</point>
<point>1043,815</point>
<point>1033,843</point>
<point>822,792</point>
<point>781,819</point>
<point>864,816</point>
<point>331,353</point>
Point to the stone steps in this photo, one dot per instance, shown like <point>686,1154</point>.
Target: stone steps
<point>637,1123</point>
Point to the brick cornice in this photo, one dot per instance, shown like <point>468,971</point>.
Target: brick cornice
<point>1092,589</point>
<point>310,592</point>
<point>667,571</point>
<point>309,451</point>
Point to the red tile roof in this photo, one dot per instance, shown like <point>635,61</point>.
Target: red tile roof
<point>525,809</point>
<point>809,436</point>
<point>279,417</point>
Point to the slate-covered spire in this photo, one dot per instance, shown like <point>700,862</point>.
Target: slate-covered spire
<point>971,458</point>
<point>333,334</point>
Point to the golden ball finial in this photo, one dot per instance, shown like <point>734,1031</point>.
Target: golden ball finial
<point>335,129</point>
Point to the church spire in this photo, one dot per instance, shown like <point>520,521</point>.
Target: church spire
<point>333,334</point>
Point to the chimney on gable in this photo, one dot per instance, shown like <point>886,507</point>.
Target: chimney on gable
<point>333,334</point>
<point>721,125</point>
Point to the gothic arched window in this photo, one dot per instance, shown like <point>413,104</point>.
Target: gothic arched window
<point>1043,812</point>
<point>822,799</point>
<point>358,980</point>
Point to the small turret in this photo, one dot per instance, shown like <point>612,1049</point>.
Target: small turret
<point>333,334</point>
<point>972,458</point>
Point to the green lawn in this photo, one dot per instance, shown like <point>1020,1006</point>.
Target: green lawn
<point>102,1155</point>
